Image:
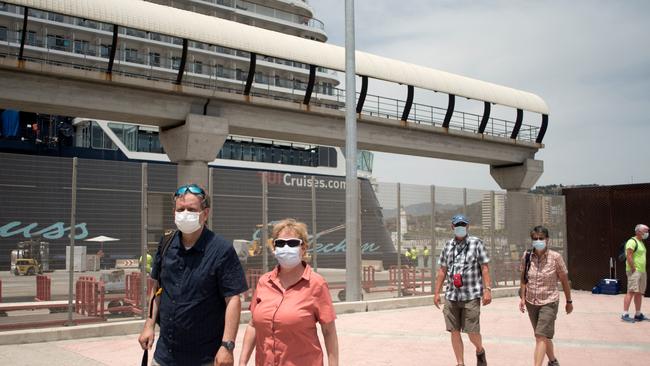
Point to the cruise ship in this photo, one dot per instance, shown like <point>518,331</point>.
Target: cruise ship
<point>35,149</point>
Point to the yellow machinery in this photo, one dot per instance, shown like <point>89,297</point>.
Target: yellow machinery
<point>27,266</point>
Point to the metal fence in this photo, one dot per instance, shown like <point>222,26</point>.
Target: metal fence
<point>602,218</point>
<point>132,202</point>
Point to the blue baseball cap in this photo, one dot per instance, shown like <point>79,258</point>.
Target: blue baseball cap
<point>459,219</point>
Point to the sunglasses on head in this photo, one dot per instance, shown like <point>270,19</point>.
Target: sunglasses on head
<point>192,188</point>
<point>292,242</point>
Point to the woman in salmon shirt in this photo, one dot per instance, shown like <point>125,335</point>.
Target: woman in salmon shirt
<point>286,306</point>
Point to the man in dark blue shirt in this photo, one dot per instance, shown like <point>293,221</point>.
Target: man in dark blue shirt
<point>201,279</point>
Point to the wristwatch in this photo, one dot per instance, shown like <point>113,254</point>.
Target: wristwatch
<point>569,301</point>
<point>489,289</point>
<point>229,345</point>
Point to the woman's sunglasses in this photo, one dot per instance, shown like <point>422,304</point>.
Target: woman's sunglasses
<point>280,243</point>
<point>192,188</point>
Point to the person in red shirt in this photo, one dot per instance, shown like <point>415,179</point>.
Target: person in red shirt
<point>286,306</point>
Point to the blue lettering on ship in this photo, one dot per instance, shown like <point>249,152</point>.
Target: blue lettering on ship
<point>52,232</point>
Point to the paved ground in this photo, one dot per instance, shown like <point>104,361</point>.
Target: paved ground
<point>592,335</point>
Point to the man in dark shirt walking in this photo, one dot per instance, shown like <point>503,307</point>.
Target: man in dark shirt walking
<point>200,278</point>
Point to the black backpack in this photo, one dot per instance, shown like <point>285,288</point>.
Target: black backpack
<point>622,253</point>
<point>527,264</point>
<point>162,249</point>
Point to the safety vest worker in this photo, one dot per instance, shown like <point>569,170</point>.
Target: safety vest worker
<point>148,264</point>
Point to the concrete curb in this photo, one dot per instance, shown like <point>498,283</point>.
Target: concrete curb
<point>135,326</point>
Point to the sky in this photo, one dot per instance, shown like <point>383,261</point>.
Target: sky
<point>589,60</point>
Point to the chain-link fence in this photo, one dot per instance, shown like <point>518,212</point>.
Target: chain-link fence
<point>402,231</point>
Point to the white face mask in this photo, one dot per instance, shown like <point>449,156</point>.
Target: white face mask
<point>645,236</point>
<point>539,244</point>
<point>187,222</point>
<point>460,231</point>
<point>287,256</point>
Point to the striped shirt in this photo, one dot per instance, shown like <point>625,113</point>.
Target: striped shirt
<point>465,257</point>
<point>543,275</point>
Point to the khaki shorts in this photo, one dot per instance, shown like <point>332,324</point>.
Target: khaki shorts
<point>636,282</point>
<point>155,363</point>
<point>542,317</point>
<point>463,315</point>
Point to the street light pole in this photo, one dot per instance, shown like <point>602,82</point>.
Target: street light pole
<point>353,248</point>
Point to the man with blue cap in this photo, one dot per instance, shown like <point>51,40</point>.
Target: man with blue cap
<point>464,261</point>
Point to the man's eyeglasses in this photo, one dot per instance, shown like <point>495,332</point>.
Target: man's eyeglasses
<point>280,243</point>
<point>192,188</point>
<point>538,238</point>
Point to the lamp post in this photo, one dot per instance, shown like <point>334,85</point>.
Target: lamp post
<point>353,249</point>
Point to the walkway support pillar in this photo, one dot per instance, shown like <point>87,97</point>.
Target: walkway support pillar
<point>518,177</point>
<point>193,145</point>
<point>517,180</point>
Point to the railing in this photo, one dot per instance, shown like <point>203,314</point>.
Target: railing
<point>152,36</point>
<point>269,12</point>
<point>218,77</point>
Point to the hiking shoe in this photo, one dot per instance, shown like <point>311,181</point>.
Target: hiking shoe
<point>553,363</point>
<point>480,358</point>
<point>627,318</point>
<point>640,317</point>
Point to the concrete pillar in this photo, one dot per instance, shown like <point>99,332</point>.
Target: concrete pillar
<point>518,178</point>
<point>193,145</point>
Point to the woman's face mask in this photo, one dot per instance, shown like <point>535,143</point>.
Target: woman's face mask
<point>539,244</point>
<point>288,257</point>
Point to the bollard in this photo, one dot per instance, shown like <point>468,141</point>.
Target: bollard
<point>89,297</point>
<point>392,275</point>
<point>368,277</point>
<point>43,288</point>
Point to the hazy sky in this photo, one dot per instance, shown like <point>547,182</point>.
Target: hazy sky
<point>589,60</point>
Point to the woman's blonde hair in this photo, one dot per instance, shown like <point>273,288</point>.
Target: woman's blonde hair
<point>298,227</point>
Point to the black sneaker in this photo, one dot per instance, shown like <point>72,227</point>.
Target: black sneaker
<point>554,363</point>
<point>480,358</point>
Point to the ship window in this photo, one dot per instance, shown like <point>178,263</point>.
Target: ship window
<point>198,67</point>
<point>130,137</point>
<point>247,153</point>
<point>176,62</point>
<point>55,17</point>
<point>131,55</point>
<point>236,151</point>
<point>3,33</point>
<point>267,155</point>
<point>286,157</point>
<point>154,59</point>
<point>148,141</point>
<point>225,150</point>
<point>57,42</point>
<point>105,50</point>
<point>99,140</point>
<point>81,46</point>
<point>31,38</point>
